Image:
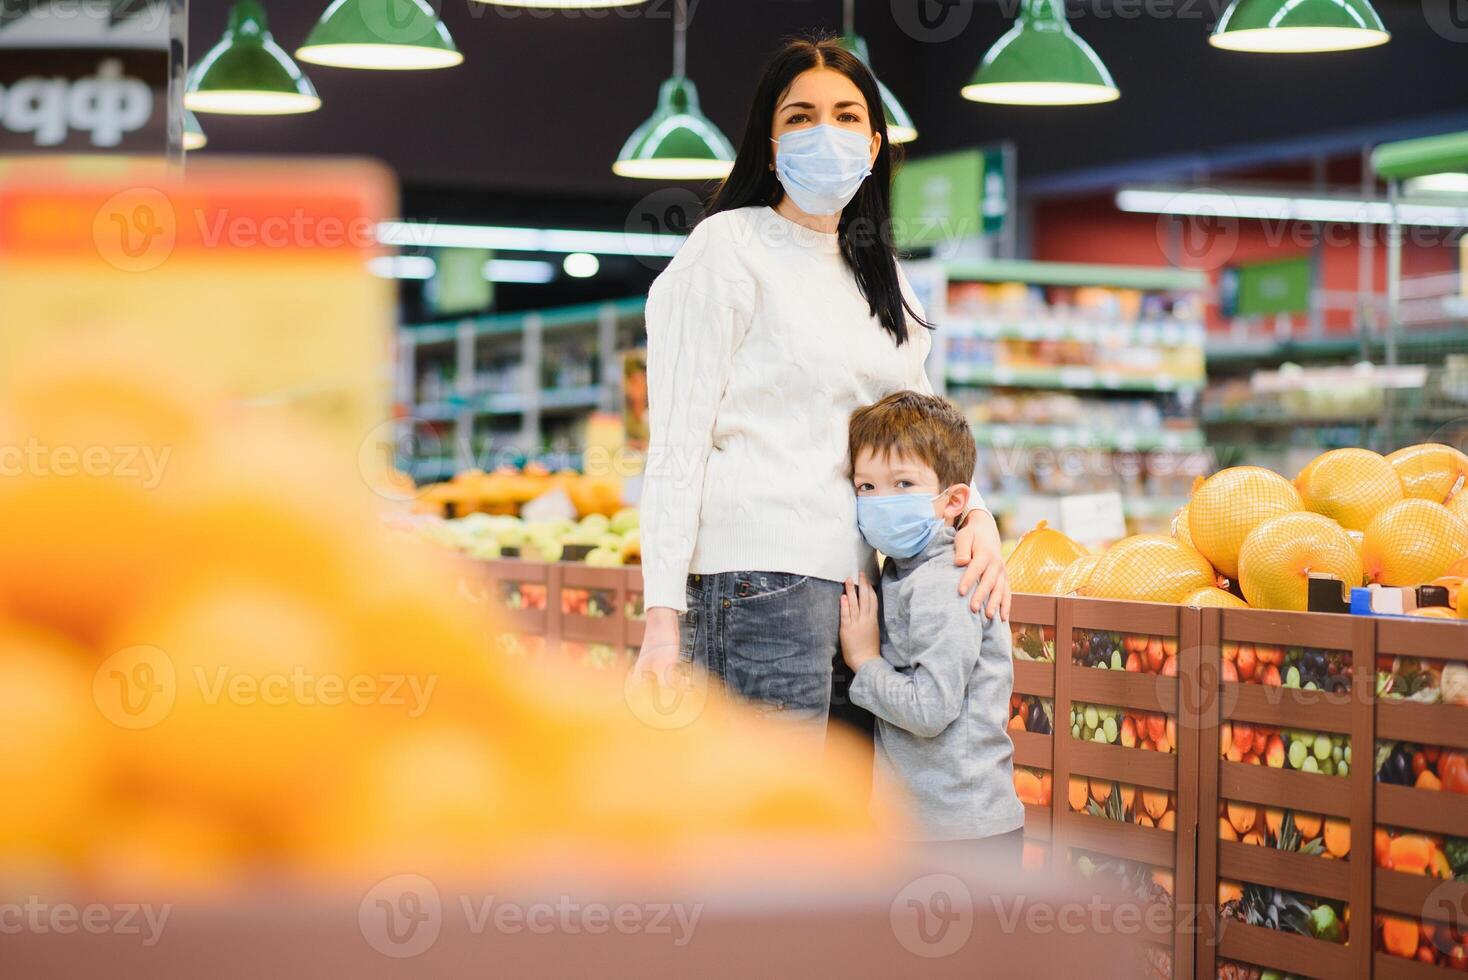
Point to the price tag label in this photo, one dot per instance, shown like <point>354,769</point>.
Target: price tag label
<point>1093,519</point>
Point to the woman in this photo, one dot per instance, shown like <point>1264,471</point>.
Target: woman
<point>783,312</point>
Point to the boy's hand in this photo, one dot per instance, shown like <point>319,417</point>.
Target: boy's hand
<point>860,637</point>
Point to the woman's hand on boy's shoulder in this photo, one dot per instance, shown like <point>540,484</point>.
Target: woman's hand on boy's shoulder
<point>861,637</point>
<point>985,579</point>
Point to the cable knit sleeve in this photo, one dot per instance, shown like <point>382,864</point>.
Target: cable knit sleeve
<point>698,311</point>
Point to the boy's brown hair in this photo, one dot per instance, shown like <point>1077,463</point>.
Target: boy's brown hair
<point>924,427</point>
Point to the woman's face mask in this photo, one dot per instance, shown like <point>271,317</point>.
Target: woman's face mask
<point>821,167</point>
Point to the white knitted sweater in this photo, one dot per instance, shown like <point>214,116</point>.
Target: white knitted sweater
<point>759,348</point>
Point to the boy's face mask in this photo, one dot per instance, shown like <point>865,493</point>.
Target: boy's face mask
<point>900,525</point>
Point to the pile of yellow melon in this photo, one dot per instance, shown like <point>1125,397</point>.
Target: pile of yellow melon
<point>216,662</point>
<point>1351,514</point>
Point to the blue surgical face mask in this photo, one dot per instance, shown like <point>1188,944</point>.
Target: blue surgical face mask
<point>821,167</point>
<point>899,526</point>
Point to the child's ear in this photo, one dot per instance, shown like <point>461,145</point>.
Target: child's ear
<point>957,502</point>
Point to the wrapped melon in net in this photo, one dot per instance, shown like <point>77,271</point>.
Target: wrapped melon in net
<point>1212,596</point>
<point>1149,568</point>
<point>1413,541</point>
<point>1076,575</point>
<point>1350,486</point>
<point>1231,503</point>
<point>1458,504</point>
<point>1430,471</point>
<point>1279,555</point>
<point>1037,561</point>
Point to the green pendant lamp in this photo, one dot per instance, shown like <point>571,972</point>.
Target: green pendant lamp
<point>677,142</point>
<point>1298,26</point>
<point>1041,61</point>
<point>563,4</point>
<point>193,134</point>
<point>900,128</point>
<point>380,34</point>
<point>247,73</point>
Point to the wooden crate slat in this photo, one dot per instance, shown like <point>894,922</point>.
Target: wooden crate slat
<point>1284,869</point>
<point>1116,839</point>
<point>1032,749</point>
<point>1422,638</point>
<point>1385,966</point>
<point>1034,677</point>
<point>1032,610</point>
<point>1435,811</point>
<point>1434,724</point>
<point>1286,951</point>
<point>1142,692</point>
<point>1409,894</point>
<point>1151,618</point>
<point>587,629</point>
<point>1286,707</point>
<point>1037,822</point>
<point>1140,767</point>
<point>1290,629</point>
<point>1311,792</point>
<point>531,621</point>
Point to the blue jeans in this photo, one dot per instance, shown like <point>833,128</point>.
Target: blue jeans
<point>769,637</point>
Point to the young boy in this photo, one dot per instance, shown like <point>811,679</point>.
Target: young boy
<point>937,676</point>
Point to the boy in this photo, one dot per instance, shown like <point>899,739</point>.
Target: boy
<point>936,675</point>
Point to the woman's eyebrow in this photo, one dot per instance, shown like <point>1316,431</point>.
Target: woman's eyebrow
<point>797,105</point>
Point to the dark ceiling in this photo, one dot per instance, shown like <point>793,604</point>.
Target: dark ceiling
<point>545,99</point>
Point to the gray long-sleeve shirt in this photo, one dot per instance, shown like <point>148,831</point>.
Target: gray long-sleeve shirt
<point>941,696</point>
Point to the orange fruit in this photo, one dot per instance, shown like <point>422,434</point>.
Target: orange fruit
<point>1350,486</point>
<point>436,798</point>
<point>1230,504</point>
<point>166,847</point>
<point>50,771</point>
<point>1213,596</point>
<point>235,692</point>
<point>1037,561</point>
<point>1278,556</point>
<point>1430,471</point>
<point>1150,568</point>
<point>1412,542</point>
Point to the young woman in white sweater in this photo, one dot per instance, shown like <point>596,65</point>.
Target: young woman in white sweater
<point>783,312</point>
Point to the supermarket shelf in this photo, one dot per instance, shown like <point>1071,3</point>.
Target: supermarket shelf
<point>556,318</point>
<point>430,469</point>
<point>1071,378</point>
<point>1444,339</point>
<point>1077,274</point>
<point>1135,507</point>
<point>998,435</point>
<point>1116,333</point>
<point>509,403</point>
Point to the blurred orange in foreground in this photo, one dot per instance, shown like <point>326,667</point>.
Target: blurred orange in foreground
<point>266,679</point>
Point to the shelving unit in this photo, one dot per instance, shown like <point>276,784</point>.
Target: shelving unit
<point>1100,364</point>
<point>509,388</point>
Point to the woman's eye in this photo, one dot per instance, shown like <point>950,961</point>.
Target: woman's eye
<point>799,117</point>
<point>850,117</point>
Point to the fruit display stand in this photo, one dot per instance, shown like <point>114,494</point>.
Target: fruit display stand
<point>1418,901</point>
<point>565,608</point>
<point>1270,784</point>
<point>1138,808</point>
<point>1032,625</point>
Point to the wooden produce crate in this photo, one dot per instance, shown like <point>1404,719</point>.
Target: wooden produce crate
<point>1412,894</point>
<point>1149,815</point>
<point>1032,626</point>
<point>1299,796</point>
<point>523,599</point>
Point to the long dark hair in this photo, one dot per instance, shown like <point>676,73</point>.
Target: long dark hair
<point>865,227</point>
